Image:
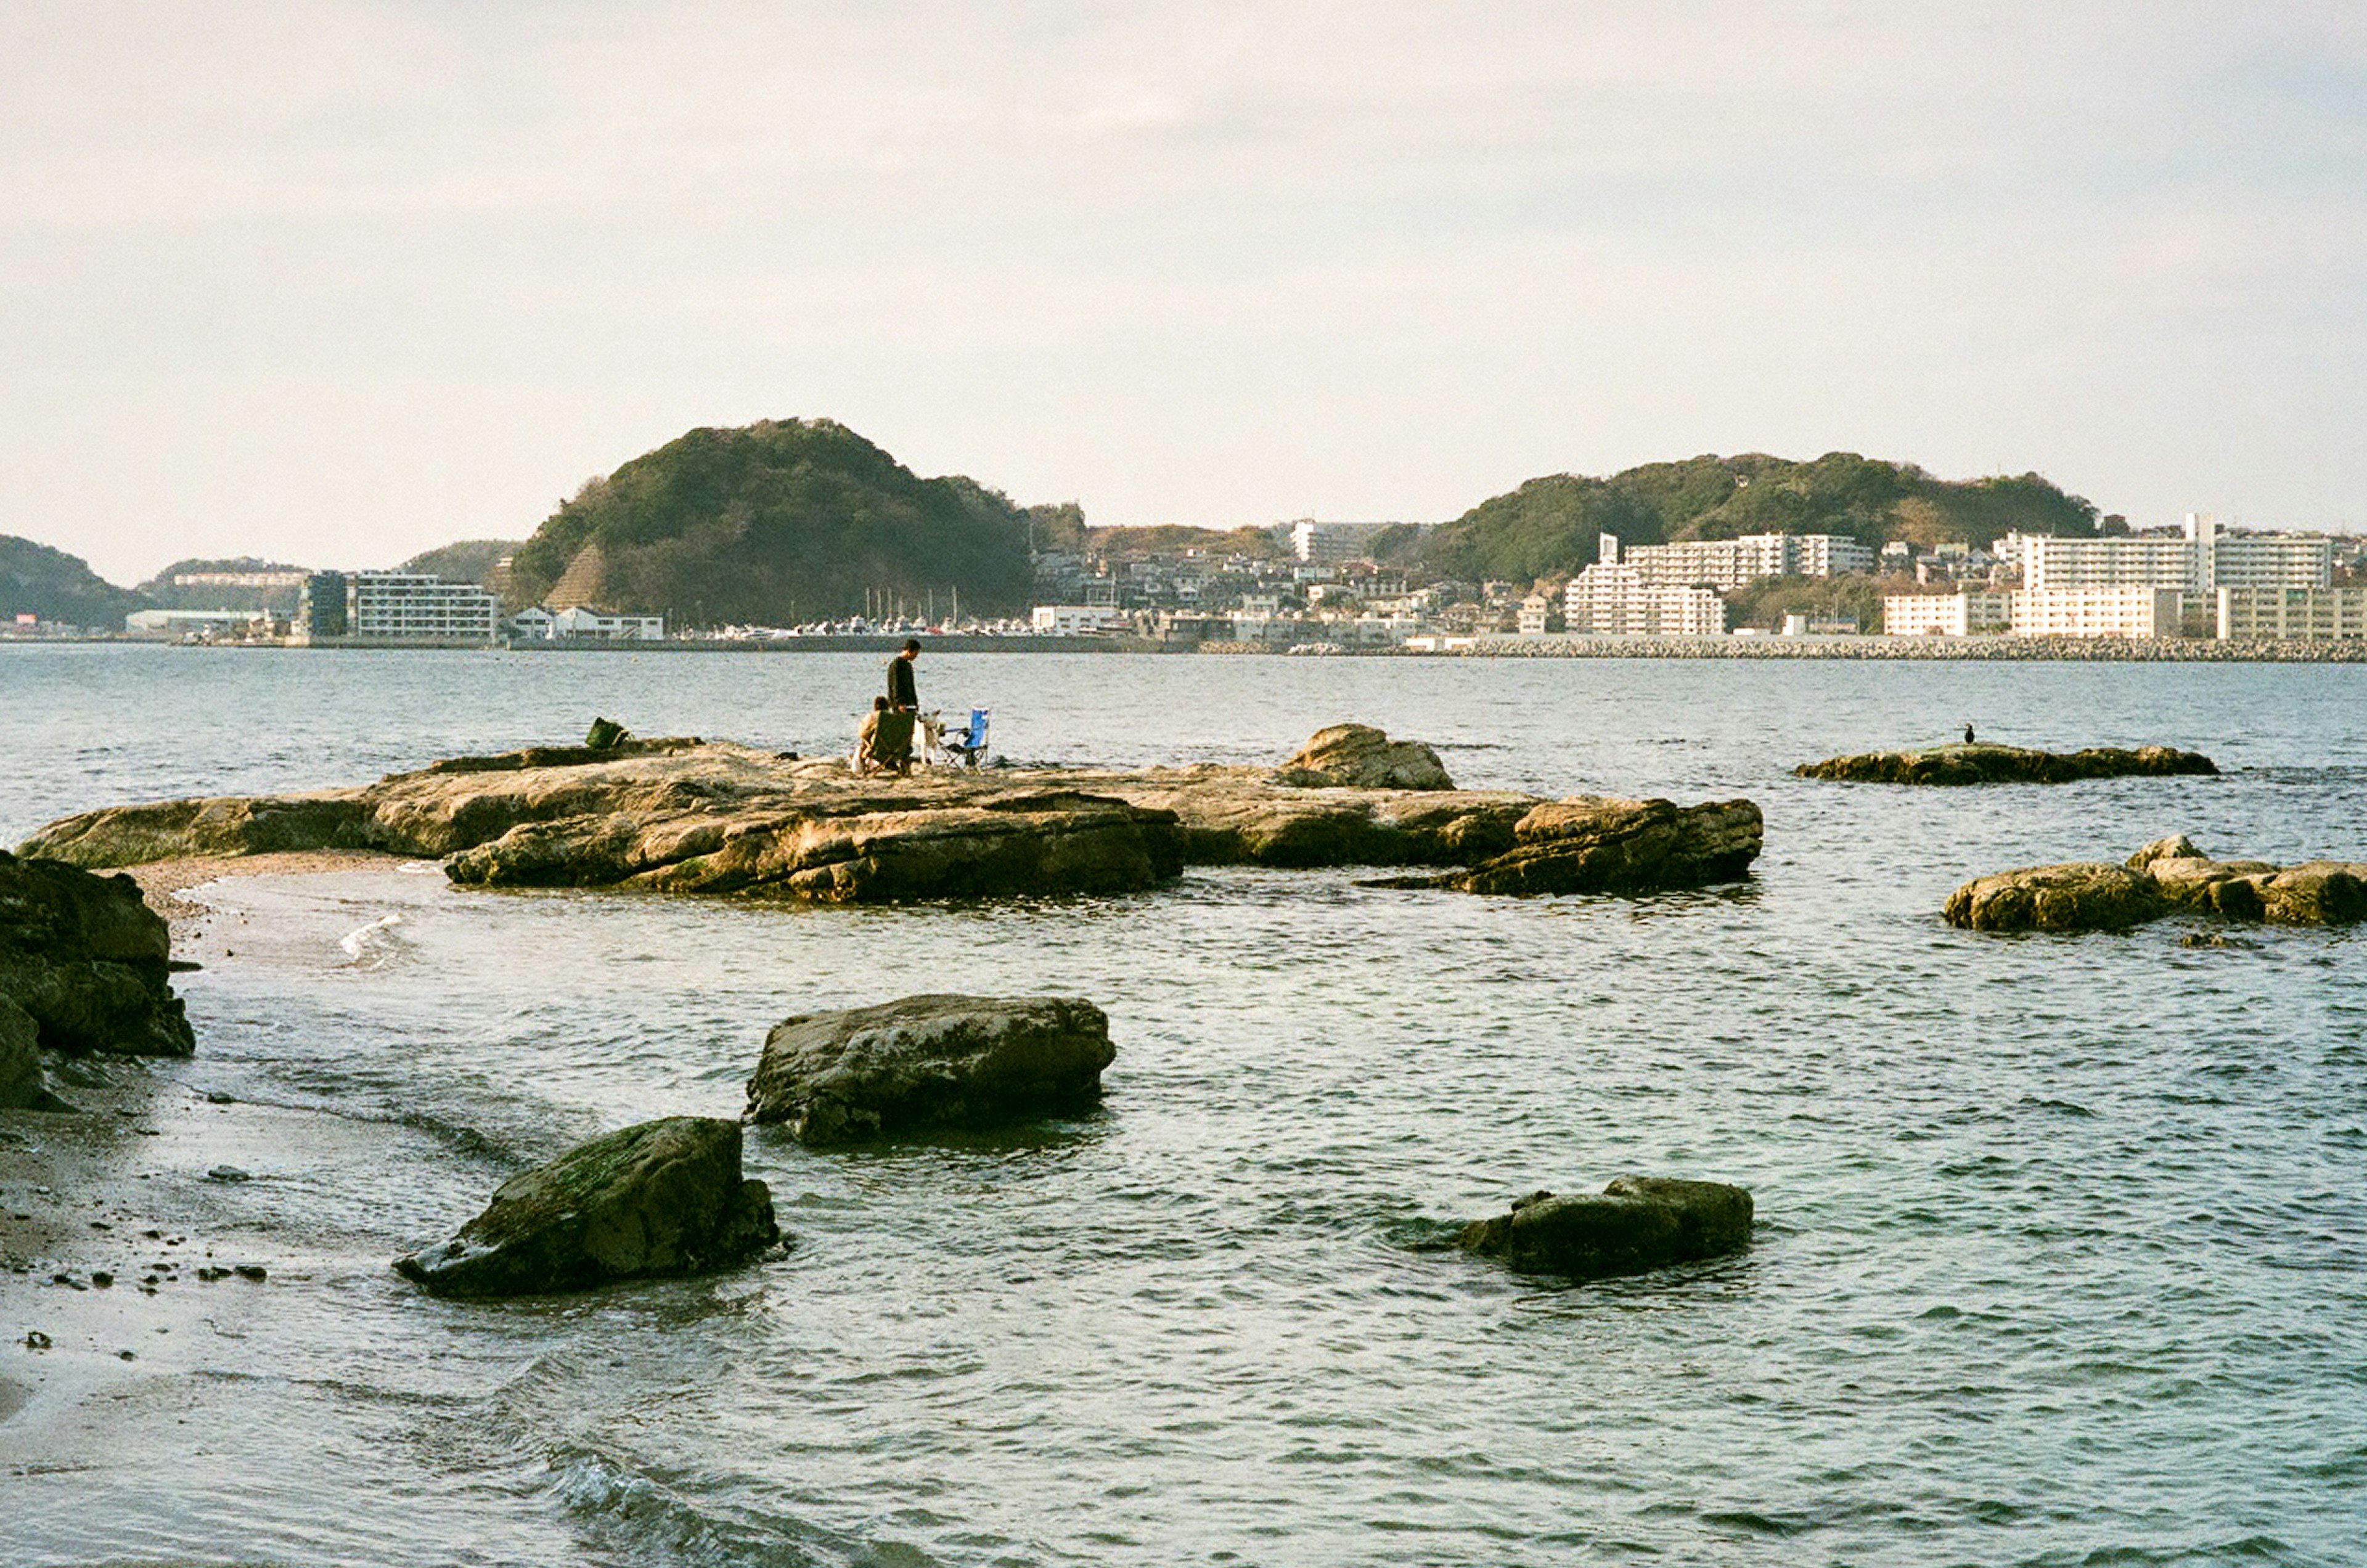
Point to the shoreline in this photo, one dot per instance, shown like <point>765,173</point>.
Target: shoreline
<point>1869,647</point>
<point>122,1257</point>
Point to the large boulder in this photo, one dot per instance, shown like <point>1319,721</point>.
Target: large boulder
<point>1357,756</point>
<point>1981,763</point>
<point>930,1062</point>
<point>22,1088</point>
<point>1635,1223</point>
<point>662,1199</point>
<point>2084,895</point>
<point>86,958</point>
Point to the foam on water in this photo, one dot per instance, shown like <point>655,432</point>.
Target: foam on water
<point>2058,1258</point>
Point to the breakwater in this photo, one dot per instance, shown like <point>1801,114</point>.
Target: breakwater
<point>2117,650</point>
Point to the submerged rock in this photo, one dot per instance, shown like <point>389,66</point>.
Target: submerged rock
<point>929,1062</point>
<point>1637,1222</point>
<point>683,815</point>
<point>88,960</point>
<point>661,1199</point>
<point>2167,876</point>
<point>1980,763</point>
<point>1357,756</point>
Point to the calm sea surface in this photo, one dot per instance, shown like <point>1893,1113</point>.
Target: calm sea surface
<point>2062,1250</point>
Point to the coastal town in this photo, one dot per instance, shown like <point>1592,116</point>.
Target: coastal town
<point>1322,590</point>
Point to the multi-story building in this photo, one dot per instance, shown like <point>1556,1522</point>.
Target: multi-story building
<point>2128,610</point>
<point>2197,560</point>
<point>1538,614</point>
<point>1068,620</point>
<point>1331,542</point>
<point>1726,564</point>
<point>1612,596</point>
<point>1970,613</point>
<point>395,609</point>
<point>2293,613</point>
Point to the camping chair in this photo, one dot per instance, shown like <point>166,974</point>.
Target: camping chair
<point>969,744</point>
<point>890,745</point>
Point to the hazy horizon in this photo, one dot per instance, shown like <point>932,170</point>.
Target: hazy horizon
<point>338,284</point>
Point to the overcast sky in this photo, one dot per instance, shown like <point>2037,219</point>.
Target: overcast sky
<point>335,283</point>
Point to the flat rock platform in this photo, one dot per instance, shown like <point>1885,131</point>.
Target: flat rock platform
<point>688,816</point>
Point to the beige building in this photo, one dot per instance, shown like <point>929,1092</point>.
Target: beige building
<point>1970,613</point>
<point>2293,613</point>
<point>2126,610</point>
<point>1727,564</point>
<point>1612,596</point>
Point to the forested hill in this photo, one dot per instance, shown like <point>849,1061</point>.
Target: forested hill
<point>37,581</point>
<point>1547,528</point>
<point>778,521</point>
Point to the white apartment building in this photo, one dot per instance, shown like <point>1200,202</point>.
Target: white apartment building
<point>1970,613</point>
<point>1727,564</point>
<point>2293,613</point>
<point>2197,561</point>
<point>1313,541</point>
<point>397,608</point>
<point>1612,597</point>
<point>1068,620</point>
<point>2130,610</point>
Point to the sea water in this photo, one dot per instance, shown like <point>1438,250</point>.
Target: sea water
<point>2062,1242</point>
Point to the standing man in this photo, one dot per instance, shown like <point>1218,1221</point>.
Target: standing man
<point>902,691</point>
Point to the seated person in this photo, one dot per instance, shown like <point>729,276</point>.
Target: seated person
<point>886,740</point>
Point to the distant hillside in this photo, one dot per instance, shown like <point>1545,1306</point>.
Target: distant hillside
<point>1176,539</point>
<point>1547,528</point>
<point>782,521</point>
<point>470,560</point>
<point>37,581</point>
<point>165,594</point>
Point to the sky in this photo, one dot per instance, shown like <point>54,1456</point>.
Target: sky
<point>335,283</point>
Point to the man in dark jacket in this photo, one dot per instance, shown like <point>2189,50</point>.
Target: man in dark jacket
<point>902,691</point>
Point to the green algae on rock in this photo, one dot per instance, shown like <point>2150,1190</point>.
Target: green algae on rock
<point>930,1062</point>
<point>1981,762</point>
<point>657,1200</point>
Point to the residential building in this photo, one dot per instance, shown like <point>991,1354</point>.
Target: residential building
<point>1612,596</point>
<point>394,609</point>
<point>1540,611</point>
<point>2293,613</point>
<point>2196,560</point>
<point>1727,564</point>
<point>1970,613</point>
<point>2130,610</point>
<point>1313,541</point>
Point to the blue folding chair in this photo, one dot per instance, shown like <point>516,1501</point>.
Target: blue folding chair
<point>970,743</point>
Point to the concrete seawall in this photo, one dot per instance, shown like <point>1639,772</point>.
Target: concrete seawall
<point>2124,650</point>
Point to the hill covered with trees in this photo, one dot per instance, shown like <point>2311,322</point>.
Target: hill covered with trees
<point>165,594</point>
<point>469,560</point>
<point>37,581</point>
<point>778,521</point>
<point>1548,526</point>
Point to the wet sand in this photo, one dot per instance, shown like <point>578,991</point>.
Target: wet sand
<point>126,1227</point>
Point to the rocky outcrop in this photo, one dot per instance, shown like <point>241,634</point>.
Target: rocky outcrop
<point>1983,763</point>
<point>661,1199</point>
<point>1634,1223</point>
<point>88,960</point>
<point>1599,844</point>
<point>681,816</point>
<point>930,1062</point>
<point>22,1086</point>
<point>2168,876</point>
<point>1357,756</point>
